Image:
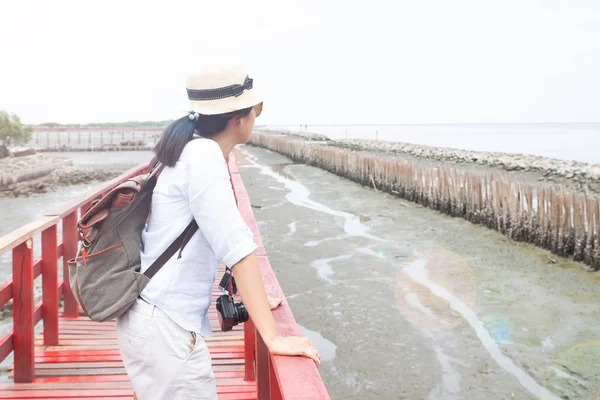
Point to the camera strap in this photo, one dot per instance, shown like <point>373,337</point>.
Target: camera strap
<point>227,284</point>
<point>230,288</point>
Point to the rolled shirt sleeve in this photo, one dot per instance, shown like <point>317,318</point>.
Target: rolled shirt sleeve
<point>213,205</point>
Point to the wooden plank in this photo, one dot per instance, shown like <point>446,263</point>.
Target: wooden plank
<point>262,369</point>
<point>59,250</point>
<point>225,385</point>
<point>64,394</point>
<point>81,342</point>
<point>116,352</point>
<point>238,396</point>
<point>70,240</point>
<point>6,292</point>
<point>37,313</point>
<point>118,378</point>
<point>37,268</point>
<point>41,373</point>
<point>104,346</point>
<point>50,297</point>
<point>6,345</point>
<point>79,364</point>
<point>110,336</point>
<point>66,385</point>
<point>250,348</point>
<point>22,270</point>
<point>22,234</point>
<point>117,357</point>
<point>128,397</point>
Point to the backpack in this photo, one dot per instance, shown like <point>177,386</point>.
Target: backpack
<point>105,275</point>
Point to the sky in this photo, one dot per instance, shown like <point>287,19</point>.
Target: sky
<point>317,61</point>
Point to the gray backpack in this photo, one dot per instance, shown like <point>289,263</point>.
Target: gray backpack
<point>105,276</point>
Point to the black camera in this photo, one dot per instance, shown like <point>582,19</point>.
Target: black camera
<point>230,313</point>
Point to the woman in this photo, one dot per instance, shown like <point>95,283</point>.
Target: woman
<point>161,335</point>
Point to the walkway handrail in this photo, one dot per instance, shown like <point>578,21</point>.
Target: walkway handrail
<point>277,377</point>
<point>25,270</point>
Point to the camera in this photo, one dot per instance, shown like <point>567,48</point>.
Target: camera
<point>230,313</point>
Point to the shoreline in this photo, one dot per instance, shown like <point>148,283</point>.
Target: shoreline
<point>545,215</point>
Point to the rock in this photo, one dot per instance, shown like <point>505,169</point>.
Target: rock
<point>4,152</point>
<point>60,177</point>
<point>28,152</point>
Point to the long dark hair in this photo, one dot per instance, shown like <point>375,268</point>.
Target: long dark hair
<point>179,133</point>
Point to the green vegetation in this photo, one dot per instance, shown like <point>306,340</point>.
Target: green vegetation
<point>12,131</point>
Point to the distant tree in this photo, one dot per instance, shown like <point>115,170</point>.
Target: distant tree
<point>12,131</point>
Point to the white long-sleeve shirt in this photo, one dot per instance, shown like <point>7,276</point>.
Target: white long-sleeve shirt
<point>197,187</point>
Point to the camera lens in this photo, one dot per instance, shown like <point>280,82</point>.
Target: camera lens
<point>242,313</point>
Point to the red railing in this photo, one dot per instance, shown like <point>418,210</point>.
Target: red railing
<point>25,270</point>
<point>277,377</point>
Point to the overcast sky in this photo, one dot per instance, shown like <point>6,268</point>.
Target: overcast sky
<point>318,61</point>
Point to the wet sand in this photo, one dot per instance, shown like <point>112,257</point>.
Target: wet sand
<point>406,303</point>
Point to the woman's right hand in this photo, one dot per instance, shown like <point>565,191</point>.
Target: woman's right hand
<point>294,346</point>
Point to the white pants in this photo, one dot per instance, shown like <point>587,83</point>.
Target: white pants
<point>163,360</point>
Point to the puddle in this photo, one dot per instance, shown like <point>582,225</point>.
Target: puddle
<point>280,169</point>
<point>325,347</point>
<point>324,269</point>
<point>450,386</point>
<point>561,374</point>
<point>418,273</point>
<point>314,243</point>
<point>292,227</point>
<point>299,196</point>
<point>370,252</point>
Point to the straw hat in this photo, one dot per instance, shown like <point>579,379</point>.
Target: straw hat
<point>221,89</point>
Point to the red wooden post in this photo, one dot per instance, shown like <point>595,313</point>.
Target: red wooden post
<point>71,307</point>
<point>249,350</point>
<point>50,286</point>
<point>23,312</point>
<point>262,369</point>
<point>275,389</point>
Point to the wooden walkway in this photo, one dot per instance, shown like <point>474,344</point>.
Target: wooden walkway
<point>81,359</point>
<point>87,363</point>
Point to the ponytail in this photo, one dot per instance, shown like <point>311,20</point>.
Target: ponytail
<point>175,137</point>
<point>173,140</point>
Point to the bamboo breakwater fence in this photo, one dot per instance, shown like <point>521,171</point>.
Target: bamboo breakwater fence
<point>567,224</point>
